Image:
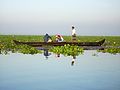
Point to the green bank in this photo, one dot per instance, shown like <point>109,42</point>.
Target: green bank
<point>7,44</point>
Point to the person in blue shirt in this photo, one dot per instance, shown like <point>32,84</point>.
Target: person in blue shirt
<point>47,38</point>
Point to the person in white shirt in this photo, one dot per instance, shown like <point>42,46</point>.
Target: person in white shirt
<point>73,34</point>
<point>73,31</point>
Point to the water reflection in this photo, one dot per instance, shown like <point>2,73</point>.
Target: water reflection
<point>73,60</point>
<point>57,55</point>
<point>46,53</point>
<point>32,72</point>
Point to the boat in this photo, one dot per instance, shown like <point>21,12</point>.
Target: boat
<point>39,44</point>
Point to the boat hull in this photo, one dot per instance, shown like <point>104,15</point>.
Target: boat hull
<point>39,44</point>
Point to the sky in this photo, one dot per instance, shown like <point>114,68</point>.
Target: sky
<point>38,17</point>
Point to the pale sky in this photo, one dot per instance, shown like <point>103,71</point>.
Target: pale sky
<point>90,17</point>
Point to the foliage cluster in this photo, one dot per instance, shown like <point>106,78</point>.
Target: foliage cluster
<point>6,47</point>
<point>68,50</point>
<point>110,50</point>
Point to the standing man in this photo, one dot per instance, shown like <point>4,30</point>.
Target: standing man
<point>73,34</point>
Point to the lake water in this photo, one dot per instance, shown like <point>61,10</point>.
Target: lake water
<point>90,71</point>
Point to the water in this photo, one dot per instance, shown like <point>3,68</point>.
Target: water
<point>91,71</point>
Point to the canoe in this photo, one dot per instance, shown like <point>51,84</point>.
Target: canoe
<point>39,44</point>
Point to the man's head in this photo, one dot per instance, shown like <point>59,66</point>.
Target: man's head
<point>73,27</point>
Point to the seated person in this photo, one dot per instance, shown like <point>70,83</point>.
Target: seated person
<point>47,38</point>
<point>59,38</point>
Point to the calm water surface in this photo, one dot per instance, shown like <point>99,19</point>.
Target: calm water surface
<point>99,71</point>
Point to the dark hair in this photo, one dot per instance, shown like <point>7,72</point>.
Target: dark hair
<point>73,27</point>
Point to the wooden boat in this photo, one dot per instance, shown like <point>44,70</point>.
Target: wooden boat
<point>39,44</point>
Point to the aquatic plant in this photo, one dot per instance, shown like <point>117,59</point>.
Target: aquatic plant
<point>6,47</point>
<point>110,50</point>
<point>25,49</point>
<point>67,50</point>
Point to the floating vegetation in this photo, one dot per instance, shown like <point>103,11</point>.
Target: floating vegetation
<point>6,47</point>
<point>110,50</point>
<point>67,50</point>
<point>25,49</point>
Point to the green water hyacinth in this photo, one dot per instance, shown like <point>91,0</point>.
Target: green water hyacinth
<point>68,50</point>
<point>110,50</point>
<point>25,49</point>
<point>7,47</point>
